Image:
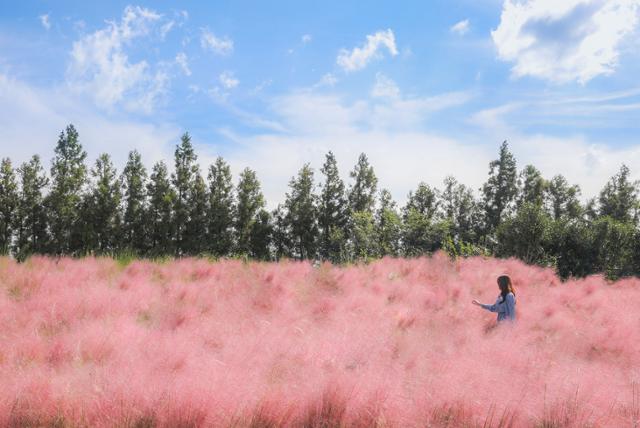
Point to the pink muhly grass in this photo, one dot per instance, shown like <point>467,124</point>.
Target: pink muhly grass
<point>393,343</point>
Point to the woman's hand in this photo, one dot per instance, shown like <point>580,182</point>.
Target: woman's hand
<point>475,302</point>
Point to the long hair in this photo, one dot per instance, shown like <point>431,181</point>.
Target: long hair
<point>506,287</point>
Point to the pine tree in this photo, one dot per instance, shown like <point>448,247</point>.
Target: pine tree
<point>501,188</point>
<point>196,229</point>
<point>363,191</point>
<point>159,218</point>
<point>68,178</point>
<point>30,218</point>
<point>281,237</point>
<point>533,187</point>
<point>460,211</point>
<point>103,212</point>
<point>424,201</point>
<point>333,213</point>
<point>619,198</point>
<point>134,179</point>
<point>562,199</point>
<point>183,182</point>
<point>8,205</point>
<point>302,214</point>
<point>261,236</point>
<point>221,209</point>
<point>388,226</point>
<point>250,201</point>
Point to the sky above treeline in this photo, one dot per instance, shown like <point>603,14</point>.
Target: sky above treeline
<point>426,88</point>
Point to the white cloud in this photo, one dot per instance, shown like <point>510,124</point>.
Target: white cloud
<point>44,20</point>
<point>166,28</point>
<point>306,38</point>
<point>564,41</point>
<point>101,68</point>
<point>385,87</point>
<point>460,28</point>
<point>22,105</point>
<point>183,61</point>
<point>359,57</point>
<point>327,79</point>
<point>228,80</point>
<point>220,46</point>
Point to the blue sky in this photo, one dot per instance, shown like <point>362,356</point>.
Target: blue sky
<point>425,88</point>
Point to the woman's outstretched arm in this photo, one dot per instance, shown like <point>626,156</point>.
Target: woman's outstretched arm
<point>496,307</point>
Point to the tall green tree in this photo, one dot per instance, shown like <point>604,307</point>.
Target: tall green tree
<point>501,189</point>
<point>159,218</point>
<point>134,180</point>
<point>532,187</point>
<point>619,197</point>
<point>196,229</point>
<point>183,180</point>
<point>333,212</point>
<point>422,232</point>
<point>281,237</point>
<point>302,214</point>
<point>31,218</point>
<point>250,202</point>
<point>362,193</point>
<point>261,236</point>
<point>68,179</point>
<point>460,210</point>
<point>104,215</point>
<point>363,243</point>
<point>8,204</point>
<point>424,200</point>
<point>388,226</point>
<point>563,199</point>
<point>526,235</point>
<point>221,209</point>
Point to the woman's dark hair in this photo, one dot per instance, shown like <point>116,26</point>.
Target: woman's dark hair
<point>506,287</point>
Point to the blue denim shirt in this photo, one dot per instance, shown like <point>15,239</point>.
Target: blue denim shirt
<point>506,309</point>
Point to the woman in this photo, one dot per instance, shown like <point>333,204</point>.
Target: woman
<point>505,305</point>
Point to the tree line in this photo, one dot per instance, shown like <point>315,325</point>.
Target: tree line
<point>76,210</point>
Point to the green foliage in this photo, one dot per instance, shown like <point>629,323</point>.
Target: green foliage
<point>195,236</point>
<point>500,190</point>
<point>221,209</point>
<point>31,218</point>
<point>422,234</point>
<point>159,217</point>
<point>562,199</point>
<point>68,179</point>
<point>250,202</point>
<point>533,187</point>
<point>8,204</point>
<point>388,225</point>
<point>362,194</point>
<point>332,213</point>
<point>526,236</point>
<point>134,179</point>
<point>183,180</point>
<point>619,198</point>
<point>302,214</point>
<point>522,216</point>
<point>363,236</point>
<point>100,210</point>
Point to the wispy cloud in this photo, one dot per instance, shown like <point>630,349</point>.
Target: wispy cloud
<point>44,20</point>
<point>572,40</point>
<point>218,45</point>
<point>100,66</point>
<point>183,62</point>
<point>359,57</point>
<point>461,28</point>
<point>306,38</point>
<point>228,79</point>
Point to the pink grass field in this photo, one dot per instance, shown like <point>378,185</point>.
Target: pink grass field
<point>395,343</point>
